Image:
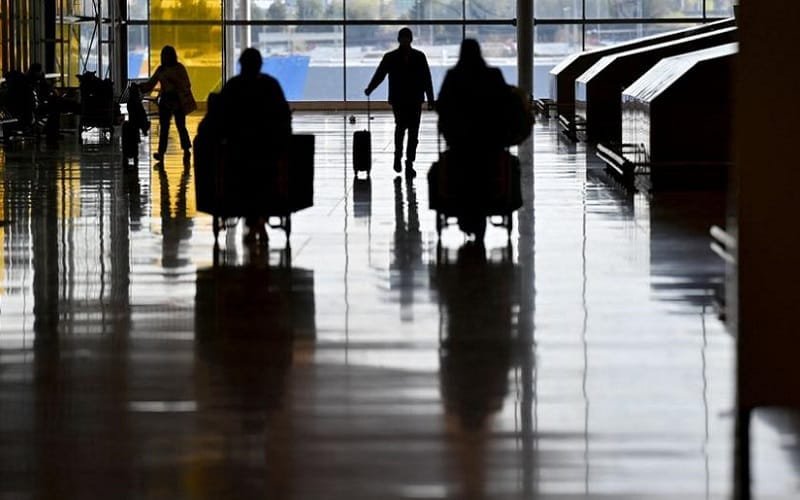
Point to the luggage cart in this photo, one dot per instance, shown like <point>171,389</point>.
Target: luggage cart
<point>498,203</point>
<point>219,191</point>
<point>98,108</point>
<point>503,220</point>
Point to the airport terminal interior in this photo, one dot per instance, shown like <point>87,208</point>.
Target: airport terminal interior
<point>627,333</point>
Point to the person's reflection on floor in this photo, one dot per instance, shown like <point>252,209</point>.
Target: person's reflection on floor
<point>407,246</point>
<point>176,227</point>
<point>478,302</point>
<point>250,323</point>
<point>133,192</point>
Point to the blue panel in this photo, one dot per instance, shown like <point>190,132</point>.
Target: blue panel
<point>135,60</point>
<point>290,71</point>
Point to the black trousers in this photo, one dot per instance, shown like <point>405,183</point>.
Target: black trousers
<point>165,114</point>
<point>406,117</point>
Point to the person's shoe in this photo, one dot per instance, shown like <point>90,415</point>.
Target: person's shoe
<point>410,172</point>
<point>398,165</point>
<point>158,156</point>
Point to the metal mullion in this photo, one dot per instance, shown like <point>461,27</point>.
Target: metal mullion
<point>646,20</point>
<point>463,19</point>
<point>224,42</point>
<point>583,25</point>
<point>149,48</point>
<point>344,63</point>
<point>10,59</point>
<point>62,62</point>
<point>321,22</point>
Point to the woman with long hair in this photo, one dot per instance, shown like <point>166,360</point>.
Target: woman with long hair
<point>471,119</point>
<point>174,100</point>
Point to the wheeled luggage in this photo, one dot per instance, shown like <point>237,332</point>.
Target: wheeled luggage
<point>226,192</point>
<point>301,172</point>
<point>98,108</point>
<point>362,147</point>
<point>456,191</point>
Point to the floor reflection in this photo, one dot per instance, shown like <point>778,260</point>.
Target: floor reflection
<point>362,197</point>
<point>682,264</point>
<point>70,223</point>
<point>138,362</point>
<point>253,319</point>
<point>407,249</point>
<point>479,305</point>
<point>176,225</point>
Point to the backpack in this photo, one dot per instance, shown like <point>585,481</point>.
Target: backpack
<point>518,116</point>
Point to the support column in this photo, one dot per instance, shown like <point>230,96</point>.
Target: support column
<point>525,45</point>
<point>761,290</point>
<point>118,52</point>
<point>48,25</point>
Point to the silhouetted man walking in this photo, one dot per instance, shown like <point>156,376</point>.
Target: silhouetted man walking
<point>409,83</point>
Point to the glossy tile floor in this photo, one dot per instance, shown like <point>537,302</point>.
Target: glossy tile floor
<point>580,359</point>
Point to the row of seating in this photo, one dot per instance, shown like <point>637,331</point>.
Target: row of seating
<point>26,114</point>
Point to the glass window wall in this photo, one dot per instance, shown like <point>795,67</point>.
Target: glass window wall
<point>491,9</point>
<point>199,48</point>
<point>367,44</point>
<point>563,27</point>
<point>198,43</point>
<point>137,10</point>
<point>138,52</point>
<point>308,64</point>
<point>283,10</point>
<point>719,8</point>
<point>498,46</point>
<point>603,35</point>
<point>326,50</point>
<point>558,9</point>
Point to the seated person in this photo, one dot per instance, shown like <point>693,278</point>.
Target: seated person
<point>19,99</point>
<point>49,103</point>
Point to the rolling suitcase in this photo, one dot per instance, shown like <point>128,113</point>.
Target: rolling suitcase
<point>362,147</point>
<point>301,165</point>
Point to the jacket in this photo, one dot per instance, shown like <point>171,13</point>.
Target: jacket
<point>409,77</point>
